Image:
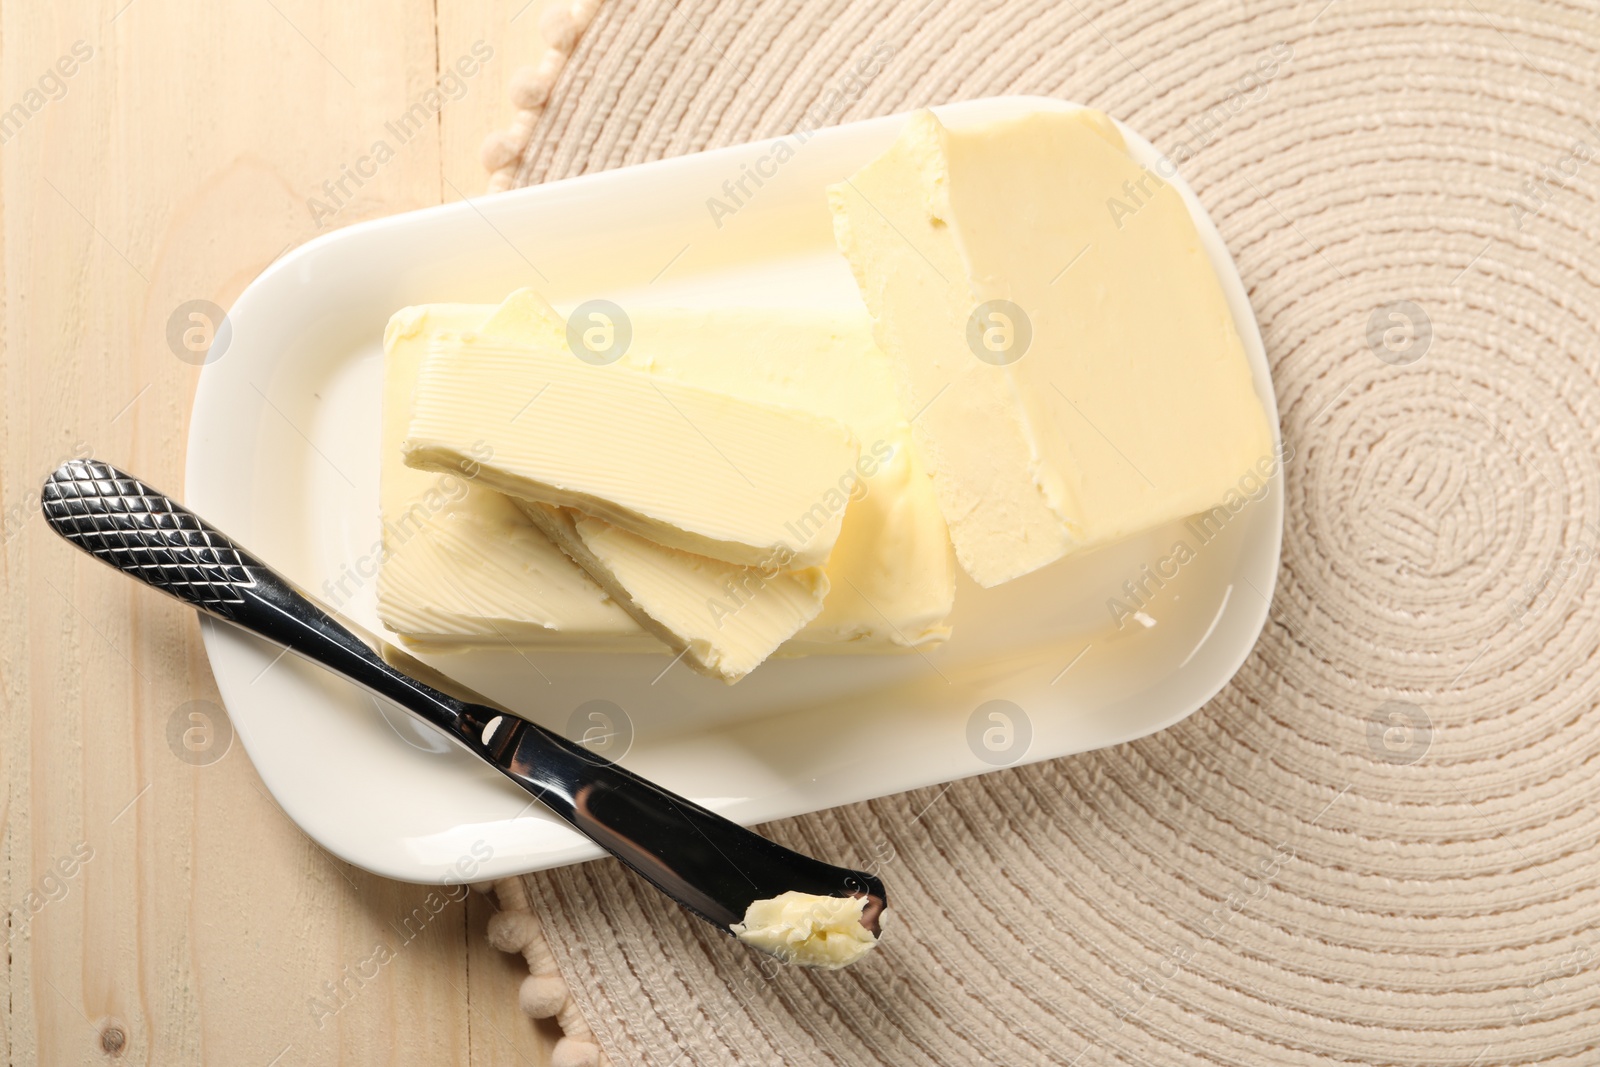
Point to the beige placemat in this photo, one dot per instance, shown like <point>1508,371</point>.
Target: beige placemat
<point>1379,844</point>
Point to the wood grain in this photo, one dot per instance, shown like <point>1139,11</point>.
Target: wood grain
<point>162,910</point>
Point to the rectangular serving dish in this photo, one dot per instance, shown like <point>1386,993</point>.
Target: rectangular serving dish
<point>283,456</point>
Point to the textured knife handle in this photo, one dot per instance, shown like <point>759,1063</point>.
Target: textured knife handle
<point>146,534</point>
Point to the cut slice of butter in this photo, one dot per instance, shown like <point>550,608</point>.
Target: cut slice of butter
<point>722,618</point>
<point>891,574</point>
<point>1063,341</point>
<point>460,565</point>
<point>891,577</point>
<point>686,467</point>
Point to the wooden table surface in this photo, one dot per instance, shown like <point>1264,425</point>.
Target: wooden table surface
<point>162,909</point>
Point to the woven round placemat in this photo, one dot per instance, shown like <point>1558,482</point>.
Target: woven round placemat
<point>1379,843</point>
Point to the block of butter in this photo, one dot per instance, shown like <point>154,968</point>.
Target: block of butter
<point>687,467</point>
<point>891,578</point>
<point>1062,339</point>
<point>460,565</point>
<point>723,618</point>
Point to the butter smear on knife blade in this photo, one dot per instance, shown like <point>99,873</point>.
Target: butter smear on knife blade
<point>810,930</point>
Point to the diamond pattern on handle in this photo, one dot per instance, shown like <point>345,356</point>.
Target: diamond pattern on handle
<point>143,532</point>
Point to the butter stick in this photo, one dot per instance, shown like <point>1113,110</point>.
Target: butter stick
<point>686,467</point>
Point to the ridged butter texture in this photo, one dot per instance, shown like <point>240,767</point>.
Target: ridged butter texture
<point>890,577</point>
<point>459,565</point>
<point>686,467</point>
<point>1131,406</point>
<point>723,619</point>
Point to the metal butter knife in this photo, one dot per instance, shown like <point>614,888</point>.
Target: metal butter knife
<point>712,866</point>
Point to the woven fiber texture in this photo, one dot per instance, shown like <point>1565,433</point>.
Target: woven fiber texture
<point>1381,843</point>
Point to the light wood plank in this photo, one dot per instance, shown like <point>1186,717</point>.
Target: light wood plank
<point>501,1033</point>
<point>511,29</point>
<point>181,908</point>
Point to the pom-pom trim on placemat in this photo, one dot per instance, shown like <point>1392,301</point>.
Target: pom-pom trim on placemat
<point>544,993</point>
<point>561,27</point>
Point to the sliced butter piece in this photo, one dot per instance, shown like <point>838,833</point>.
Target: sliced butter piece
<point>1131,406</point>
<point>686,467</point>
<point>723,618</point>
<point>460,565</point>
<point>891,575</point>
<point>893,554</point>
